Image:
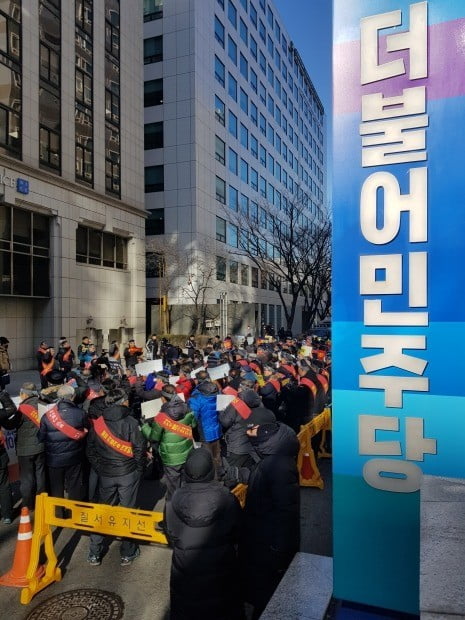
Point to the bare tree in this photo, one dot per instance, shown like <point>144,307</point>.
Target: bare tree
<point>187,275</point>
<point>291,252</point>
<point>200,276</point>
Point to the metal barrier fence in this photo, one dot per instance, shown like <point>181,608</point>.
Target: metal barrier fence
<point>130,522</point>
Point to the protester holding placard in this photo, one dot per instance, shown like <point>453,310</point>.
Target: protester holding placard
<point>203,404</point>
<point>170,432</point>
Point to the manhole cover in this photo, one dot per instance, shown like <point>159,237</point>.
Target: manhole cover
<point>80,605</point>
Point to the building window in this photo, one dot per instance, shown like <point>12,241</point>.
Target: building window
<point>219,32</point>
<point>84,146</point>
<point>10,111</point>
<point>153,92</point>
<point>253,80</point>
<point>233,272</point>
<point>232,124</point>
<point>153,9</point>
<point>244,67</point>
<point>244,101</point>
<point>245,275</point>
<point>232,236</point>
<point>244,169</point>
<point>154,179</point>
<point>24,253</point>
<point>221,268</point>
<point>155,265</point>
<point>255,277</point>
<point>244,135</point>
<point>254,179</point>
<point>153,50</point>
<point>95,247</point>
<point>49,147</point>
<point>220,149</point>
<point>253,113</point>
<point>220,190</point>
<point>232,50</point>
<point>219,71</point>
<point>112,33</point>
<point>233,198</point>
<point>112,160</point>
<point>232,86</point>
<point>155,222</point>
<point>232,13</point>
<point>232,158</point>
<point>243,31</point>
<point>263,281</point>
<point>153,135</point>
<point>220,111</point>
<point>220,229</point>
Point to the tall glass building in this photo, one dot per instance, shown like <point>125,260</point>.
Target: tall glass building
<point>233,125</point>
<point>71,173</point>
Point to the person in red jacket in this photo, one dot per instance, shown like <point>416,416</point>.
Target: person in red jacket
<point>185,385</point>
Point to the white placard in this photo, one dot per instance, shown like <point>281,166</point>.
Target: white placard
<point>181,396</point>
<point>306,350</point>
<point>197,370</point>
<point>223,400</point>
<point>151,407</point>
<point>145,368</point>
<point>43,408</point>
<point>185,351</point>
<point>219,372</point>
<point>173,380</point>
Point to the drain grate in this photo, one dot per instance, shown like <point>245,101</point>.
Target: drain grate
<point>80,605</point>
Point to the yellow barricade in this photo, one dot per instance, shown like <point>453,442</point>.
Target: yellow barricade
<point>98,518</point>
<point>309,474</point>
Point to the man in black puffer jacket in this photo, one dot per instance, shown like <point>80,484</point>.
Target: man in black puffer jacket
<point>9,419</point>
<point>63,429</point>
<point>232,419</point>
<point>271,527</point>
<point>30,451</point>
<point>116,451</point>
<point>202,522</point>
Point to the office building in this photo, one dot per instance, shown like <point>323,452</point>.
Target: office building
<point>71,173</point>
<point>233,125</point>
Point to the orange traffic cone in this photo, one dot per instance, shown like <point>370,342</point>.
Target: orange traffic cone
<point>16,577</point>
<point>306,470</point>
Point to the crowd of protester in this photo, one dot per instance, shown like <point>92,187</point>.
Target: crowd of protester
<point>83,433</point>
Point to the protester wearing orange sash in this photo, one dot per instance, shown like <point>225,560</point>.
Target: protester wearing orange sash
<point>116,451</point>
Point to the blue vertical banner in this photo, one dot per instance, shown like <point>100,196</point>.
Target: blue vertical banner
<point>398,283</point>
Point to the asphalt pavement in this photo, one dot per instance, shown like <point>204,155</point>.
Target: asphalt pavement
<point>144,585</point>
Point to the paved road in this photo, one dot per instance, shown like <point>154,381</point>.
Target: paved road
<point>143,586</point>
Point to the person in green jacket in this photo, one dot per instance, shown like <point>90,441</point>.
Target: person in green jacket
<point>171,432</point>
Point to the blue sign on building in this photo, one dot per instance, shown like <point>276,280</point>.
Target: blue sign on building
<point>22,186</point>
<point>398,282</point>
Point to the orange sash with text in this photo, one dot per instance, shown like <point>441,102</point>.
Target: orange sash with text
<point>172,426</point>
<point>115,443</point>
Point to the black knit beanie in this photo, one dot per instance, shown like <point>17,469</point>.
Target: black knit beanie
<point>199,466</point>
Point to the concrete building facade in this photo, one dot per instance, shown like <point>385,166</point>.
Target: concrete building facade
<point>233,125</point>
<point>71,173</point>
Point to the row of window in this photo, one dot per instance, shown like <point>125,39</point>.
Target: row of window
<point>249,107</point>
<point>239,273</point>
<point>84,115</point>
<point>112,99</point>
<point>275,40</point>
<point>95,247</point>
<point>24,252</point>
<point>259,152</point>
